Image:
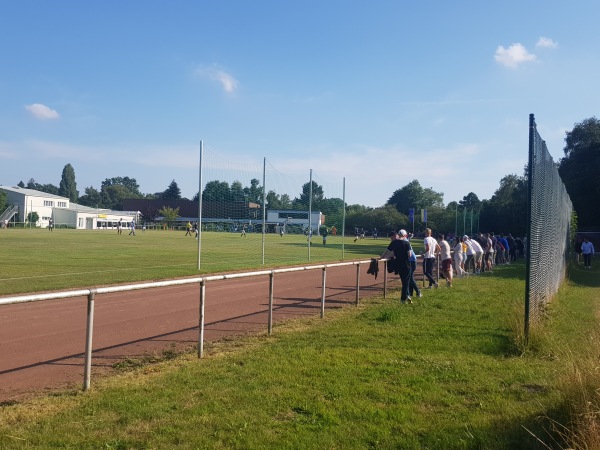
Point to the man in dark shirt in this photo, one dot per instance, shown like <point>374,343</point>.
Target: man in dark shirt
<point>400,248</point>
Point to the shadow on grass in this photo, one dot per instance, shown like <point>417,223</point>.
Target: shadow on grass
<point>515,270</point>
<point>532,432</point>
<point>578,274</point>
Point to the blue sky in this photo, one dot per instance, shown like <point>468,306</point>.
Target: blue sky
<point>378,93</point>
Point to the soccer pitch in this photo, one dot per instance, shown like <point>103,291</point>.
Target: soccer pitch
<point>37,260</point>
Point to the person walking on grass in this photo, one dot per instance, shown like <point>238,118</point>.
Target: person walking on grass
<point>132,227</point>
<point>412,284</point>
<point>431,249</point>
<point>458,257</point>
<point>400,249</point>
<point>446,259</point>
<point>587,249</point>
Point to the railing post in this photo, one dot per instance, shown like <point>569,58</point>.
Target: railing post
<point>87,370</point>
<point>323,281</point>
<point>201,319</point>
<point>385,272</point>
<point>357,282</point>
<point>271,284</point>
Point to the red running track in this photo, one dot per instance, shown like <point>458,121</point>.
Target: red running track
<point>42,344</point>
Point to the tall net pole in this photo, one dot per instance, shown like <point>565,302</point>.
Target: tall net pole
<point>343,214</point>
<point>199,229</point>
<point>310,195</point>
<point>264,209</point>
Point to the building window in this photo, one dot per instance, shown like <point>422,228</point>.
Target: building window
<point>81,222</point>
<point>293,215</point>
<point>48,203</point>
<point>62,204</point>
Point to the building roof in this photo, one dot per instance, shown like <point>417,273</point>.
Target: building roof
<point>31,192</point>
<point>72,206</point>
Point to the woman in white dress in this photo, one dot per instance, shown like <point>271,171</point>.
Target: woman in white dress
<point>459,257</point>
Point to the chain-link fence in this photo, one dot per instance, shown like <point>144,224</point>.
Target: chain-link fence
<point>549,221</point>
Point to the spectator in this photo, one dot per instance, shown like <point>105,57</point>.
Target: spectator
<point>470,254</point>
<point>400,248</point>
<point>431,249</point>
<point>587,248</point>
<point>412,284</point>
<point>446,259</point>
<point>458,257</point>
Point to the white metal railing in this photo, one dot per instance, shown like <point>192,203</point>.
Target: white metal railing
<point>92,292</point>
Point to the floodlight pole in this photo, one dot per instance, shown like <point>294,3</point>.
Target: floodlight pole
<point>199,229</point>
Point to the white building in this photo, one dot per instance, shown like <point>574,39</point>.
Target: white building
<point>282,217</point>
<point>61,210</point>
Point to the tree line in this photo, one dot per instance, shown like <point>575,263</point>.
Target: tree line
<point>505,211</point>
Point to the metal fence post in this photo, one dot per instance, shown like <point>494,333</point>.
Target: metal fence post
<point>271,283</point>
<point>201,319</point>
<point>357,282</point>
<point>385,272</point>
<point>87,370</point>
<point>323,280</point>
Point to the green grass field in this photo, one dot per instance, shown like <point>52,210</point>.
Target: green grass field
<point>443,373</point>
<point>39,260</point>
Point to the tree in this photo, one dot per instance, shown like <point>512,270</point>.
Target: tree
<point>471,202</point>
<point>217,191</point>
<point>68,186</point>
<point>173,192</point>
<point>236,192</point>
<point>169,215</point>
<point>333,210</point>
<point>48,188</point>
<point>385,218</point>
<point>276,201</point>
<point>111,197</point>
<point>3,201</point>
<point>129,183</point>
<point>33,217</point>
<point>414,196</point>
<point>579,170</point>
<point>254,193</point>
<point>317,196</point>
<point>91,198</point>
<point>506,211</point>
<point>114,190</point>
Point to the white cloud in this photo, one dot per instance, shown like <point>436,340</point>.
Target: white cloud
<point>216,73</point>
<point>514,55</point>
<point>546,43</point>
<point>42,112</point>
